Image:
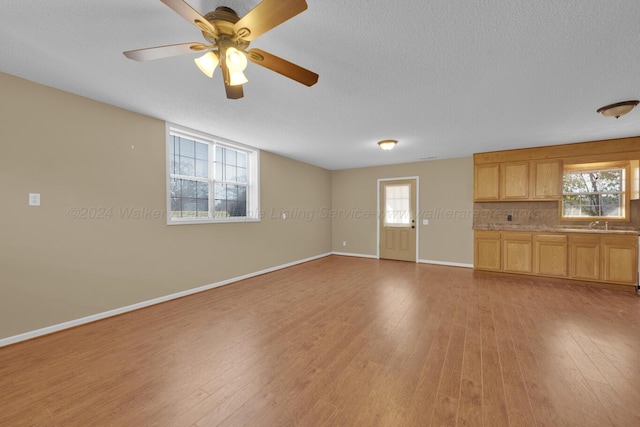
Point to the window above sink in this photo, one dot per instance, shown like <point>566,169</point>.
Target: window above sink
<point>596,191</point>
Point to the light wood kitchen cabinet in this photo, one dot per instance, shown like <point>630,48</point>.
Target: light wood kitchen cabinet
<point>516,252</point>
<point>514,181</point>
<point>584,256</point>
<point>588,257</point>
<point>550,254</point>
<point>518,181</point>
<point>487,250</point>
<point>546,179</point>
<point>486,182</point>
<point>607,258</point>
<point>619,259</point>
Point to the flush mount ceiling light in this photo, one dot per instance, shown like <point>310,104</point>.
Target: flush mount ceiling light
<point>387,144</point>
<point>618,109</point>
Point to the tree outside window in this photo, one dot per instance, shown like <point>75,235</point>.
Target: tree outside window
<point>210,180</point>
<point>594,193</point>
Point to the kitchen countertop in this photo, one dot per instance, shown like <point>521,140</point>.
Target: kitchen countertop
<point>555,229</point>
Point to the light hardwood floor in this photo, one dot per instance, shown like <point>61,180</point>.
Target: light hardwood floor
<point>342,342</point>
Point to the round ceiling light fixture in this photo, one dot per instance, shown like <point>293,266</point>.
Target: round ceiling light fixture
<point>618,109</point>
<point>387,144</point>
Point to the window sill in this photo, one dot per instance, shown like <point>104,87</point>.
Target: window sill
<point>211,221</point>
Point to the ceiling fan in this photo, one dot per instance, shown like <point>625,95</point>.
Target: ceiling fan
<point>228,38</point>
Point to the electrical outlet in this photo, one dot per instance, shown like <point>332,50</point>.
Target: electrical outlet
<point>344,243</point>
<point>509,217</point>
<point>284,215</point>
<point>34,199</point>
<point>425,222</point>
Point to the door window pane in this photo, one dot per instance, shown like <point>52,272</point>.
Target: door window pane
<point>397,205</point>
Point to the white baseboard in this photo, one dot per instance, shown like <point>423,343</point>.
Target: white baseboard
<point>450,264</point>
<point>421,261</point>
<point>99,316</point>
<point>354,255</point>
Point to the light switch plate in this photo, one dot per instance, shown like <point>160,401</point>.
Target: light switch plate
<point>425,222</point>
<point>34,199</point>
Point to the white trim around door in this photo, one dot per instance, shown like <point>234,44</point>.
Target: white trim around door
<point>379,213</point>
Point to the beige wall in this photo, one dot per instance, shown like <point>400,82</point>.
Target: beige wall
<point>78,154</point>
<point>445,198</point>
<point>81,154</point>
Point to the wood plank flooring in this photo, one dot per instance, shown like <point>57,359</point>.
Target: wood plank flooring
<point>342,342</point>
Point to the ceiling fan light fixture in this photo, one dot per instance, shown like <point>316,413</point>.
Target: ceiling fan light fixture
<point>237,78</point>
<point>236,60</point>
<point>207,63</point>
<point>228,36</point>
<point>387,144</point>
<point>618,109</point>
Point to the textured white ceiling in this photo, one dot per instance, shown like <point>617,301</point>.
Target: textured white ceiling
<point>446,78</point>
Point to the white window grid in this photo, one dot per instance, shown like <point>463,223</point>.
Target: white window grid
<point>252,202</point>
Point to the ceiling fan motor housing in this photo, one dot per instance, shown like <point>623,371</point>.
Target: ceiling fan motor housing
<point>224,19</point>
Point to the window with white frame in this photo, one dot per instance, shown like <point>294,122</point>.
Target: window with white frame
<point>210,179</point>
<point>594,192</point>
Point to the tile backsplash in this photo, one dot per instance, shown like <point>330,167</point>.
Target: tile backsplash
<point>532,214</point>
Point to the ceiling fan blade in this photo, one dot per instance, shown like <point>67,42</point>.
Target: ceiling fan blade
<point>159,52</point>
<point>233,92</point>
<point>267,15</point>
<point>284,67</point>
<point>183,9</point>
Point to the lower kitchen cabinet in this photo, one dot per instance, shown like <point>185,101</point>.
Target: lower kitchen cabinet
<point>550,254</point>
<point>486,251</point>
<point>593,257</point>
<point>620,259</point>
<point>516,252</point>
<point>585,256</point>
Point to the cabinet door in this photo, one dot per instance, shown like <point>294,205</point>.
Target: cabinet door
<point>620,259</point>
<point>546,179</point>
<point>550,254</point>
<point>485,182</point>
<point>514,181</point>
<point>584,258</point>
<point>486,254</point>
<point>516,252</point>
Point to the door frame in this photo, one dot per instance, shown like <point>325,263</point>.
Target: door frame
<point>379,212</point>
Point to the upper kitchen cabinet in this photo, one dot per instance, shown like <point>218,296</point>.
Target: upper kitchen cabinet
<point>536,173</point>
<point>514,181</point>
<point>486,182</point>
<point>546,179</point>
<point>517,181</point>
